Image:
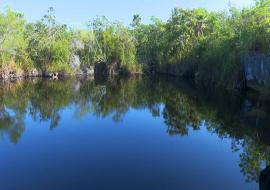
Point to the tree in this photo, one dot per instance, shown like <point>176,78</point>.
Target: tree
<point>49,44</point>
<point>136,21</point>
<point>12,41</point>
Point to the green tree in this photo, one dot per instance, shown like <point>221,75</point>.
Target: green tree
<point>49,44</point>
<point>136,20</point>
<point>12,41</point>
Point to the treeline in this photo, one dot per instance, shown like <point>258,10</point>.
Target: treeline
<point>197,43</point>
<point>46,46</point>
<point>205,45</point>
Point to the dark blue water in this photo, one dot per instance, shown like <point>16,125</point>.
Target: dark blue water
<point>136,133</point>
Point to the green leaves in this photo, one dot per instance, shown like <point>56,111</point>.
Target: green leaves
<point>12,42</point>
<point>204,44</point>
<point>109,42</point>
<point>49,44</point>
<point>207,45</point>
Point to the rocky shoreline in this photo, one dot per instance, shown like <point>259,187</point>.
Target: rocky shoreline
<point>100,69</point>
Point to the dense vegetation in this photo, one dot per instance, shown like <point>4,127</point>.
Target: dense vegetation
<point>205,45</point>
<point>200,44</point>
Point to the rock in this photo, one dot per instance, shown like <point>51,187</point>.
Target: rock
<point>75,62</point>
<point>81,69</point>
<point>105,69</point>
<point>55,76</point>
<point>89,70</point>
<point>257,69</point>
<point>76,44</point>
<point>34,73</point>
<point>101,69</point>
<point>9,73</point>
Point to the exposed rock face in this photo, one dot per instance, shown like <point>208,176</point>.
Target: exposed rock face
<point>75,64</point>
<point>9,73</point>
<point>257,69</point>
<point>35,73</point>
<point>6,74</point>
<point>101,69</point>
<point>109,69</point>
<point>79,69</point>
<point>88,70</point>
<point>55,76</point>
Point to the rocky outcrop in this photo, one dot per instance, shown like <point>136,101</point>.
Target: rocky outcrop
<point>257,69</point>
<point>11,73</point>
<point>88,70</point>
<point>101,69</point>
<point>75,63</point>
<point>80,69</point>
<point>34,73</point>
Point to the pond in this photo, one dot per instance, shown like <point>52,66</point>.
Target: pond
<point>136,133</point>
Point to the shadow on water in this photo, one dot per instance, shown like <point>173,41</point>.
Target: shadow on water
<point>240,118</point>
<point>265,179</point>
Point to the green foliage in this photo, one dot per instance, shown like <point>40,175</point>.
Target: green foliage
<point>116,44</point>
<point>12,41</point>
<point>255,27</point>
<point>108,42</point>
<point>197,43</point>
<point>87,47</point>
<point>150,44</point>
<point>205,45</point>
<point>49,44</point>
<point>136,20</point>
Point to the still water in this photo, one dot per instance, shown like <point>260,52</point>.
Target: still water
<point>137,133</point>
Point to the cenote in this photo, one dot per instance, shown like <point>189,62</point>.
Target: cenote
<point>136,133</point>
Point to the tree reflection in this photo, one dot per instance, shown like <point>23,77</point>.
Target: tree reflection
<point>183,107</point>
<point>265,179</point>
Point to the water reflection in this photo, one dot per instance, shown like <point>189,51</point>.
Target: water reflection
<point>241,118</point>
<point>265,179</point>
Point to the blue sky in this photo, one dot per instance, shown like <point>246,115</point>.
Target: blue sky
<point>78,12</point>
